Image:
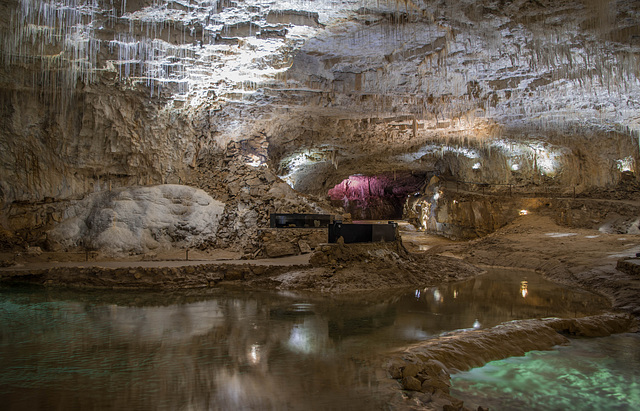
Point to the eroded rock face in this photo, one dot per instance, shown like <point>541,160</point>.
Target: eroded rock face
<point>484,91</point>
<point>139,220</point>
<point>99,95</point>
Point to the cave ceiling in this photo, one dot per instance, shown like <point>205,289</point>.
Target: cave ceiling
<point>352,84</point>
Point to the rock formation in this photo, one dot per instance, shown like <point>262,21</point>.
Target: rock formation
<point>98,95</point>
<point>140,220</point>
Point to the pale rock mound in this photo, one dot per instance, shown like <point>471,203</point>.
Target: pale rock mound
<point>139,220</point>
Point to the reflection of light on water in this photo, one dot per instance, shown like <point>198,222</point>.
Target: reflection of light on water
<point>315,352</point>
<point>302,307</point>
<point>476,324</point>
<point>255,353</point>
<point>299,339</point>
<point>308,337</point>
<point>413,333</point>
<point>524,288</point>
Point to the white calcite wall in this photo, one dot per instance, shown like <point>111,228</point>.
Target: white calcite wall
<point>139,220</point>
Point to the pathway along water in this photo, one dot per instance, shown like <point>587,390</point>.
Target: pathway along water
<point>230,348</point>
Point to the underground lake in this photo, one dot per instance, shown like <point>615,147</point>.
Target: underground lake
<point>233,348</point>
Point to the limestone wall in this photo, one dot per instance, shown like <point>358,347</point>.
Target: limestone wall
<point>465,215</point>
<point>155,94</point>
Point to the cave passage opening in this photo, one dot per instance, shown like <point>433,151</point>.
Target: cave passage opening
<point>377,197</point>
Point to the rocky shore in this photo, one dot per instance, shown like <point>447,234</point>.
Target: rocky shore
<point>336,268</point>
<point>423,371</point>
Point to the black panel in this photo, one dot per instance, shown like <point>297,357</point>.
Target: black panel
<point>300,220</point>
<point>362,233</point>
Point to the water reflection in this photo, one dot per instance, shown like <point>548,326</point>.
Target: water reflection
<point>488,300</point>
<point>524,288</point>
<point>230,349</point>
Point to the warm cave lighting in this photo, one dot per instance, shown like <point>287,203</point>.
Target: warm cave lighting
<point>625,164</point>
<point>255,161</point>
<point>437,296</point>
<point>423,222</point>
<point>455,293</point>
<point>524,288</point>
<point>524,212</point>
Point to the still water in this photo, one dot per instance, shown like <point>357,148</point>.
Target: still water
<point>238,349</point>
<point>590,374</point>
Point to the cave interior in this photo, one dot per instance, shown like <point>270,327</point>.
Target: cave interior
<point>143,128</point>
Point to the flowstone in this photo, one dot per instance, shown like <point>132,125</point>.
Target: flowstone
<point>138,220</point>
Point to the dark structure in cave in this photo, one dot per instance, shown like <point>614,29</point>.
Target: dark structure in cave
<point>300,220</point>
<point>362,233</point>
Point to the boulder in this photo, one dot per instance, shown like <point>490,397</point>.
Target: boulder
<point>305,248</point>
<point>279,249</point>
<point>411,384</point>
<point>410,370</point>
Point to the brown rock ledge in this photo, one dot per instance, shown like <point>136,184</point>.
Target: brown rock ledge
<point>189,276</point>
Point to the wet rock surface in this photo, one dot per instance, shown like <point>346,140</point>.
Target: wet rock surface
<point>333,268</point>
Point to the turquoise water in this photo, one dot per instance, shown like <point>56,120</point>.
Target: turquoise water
<point>238,349</point>
<point>590,374</point>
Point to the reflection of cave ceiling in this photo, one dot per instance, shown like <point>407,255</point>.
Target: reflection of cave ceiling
<point>349,79</point>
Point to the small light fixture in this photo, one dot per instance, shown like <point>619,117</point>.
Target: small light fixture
<point>524,212</point>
